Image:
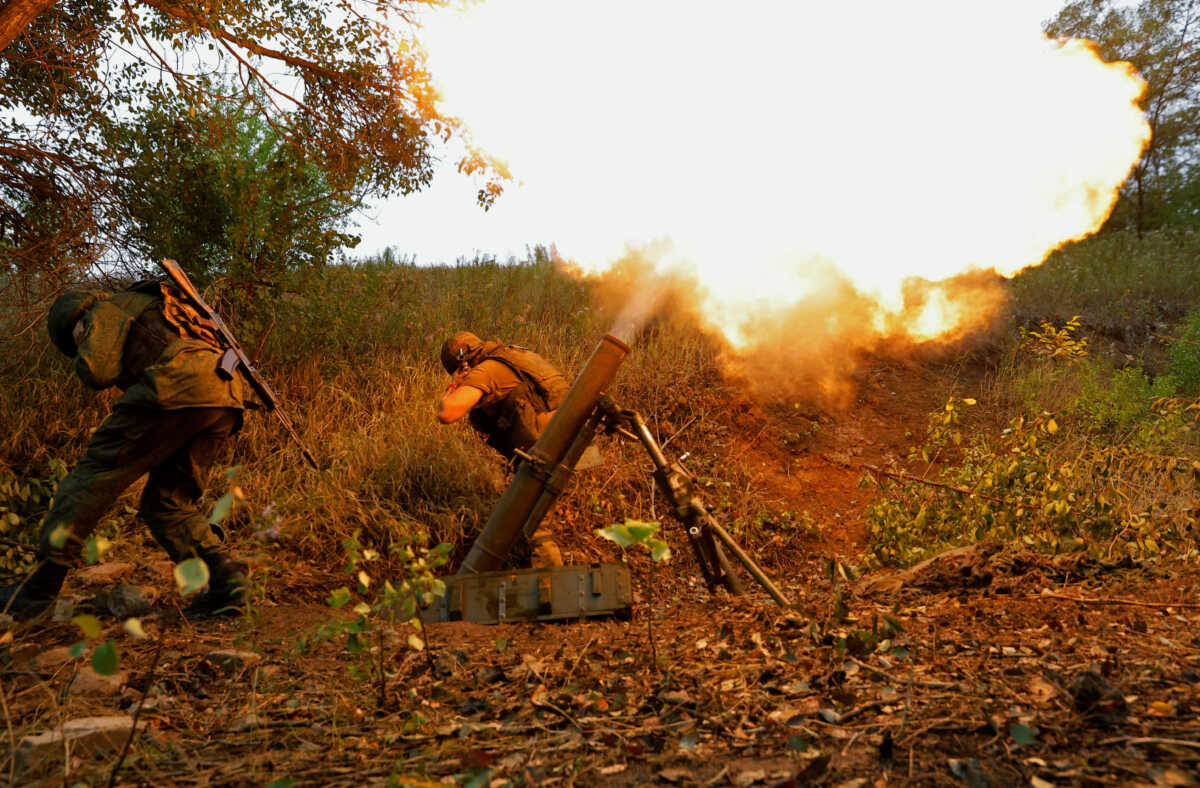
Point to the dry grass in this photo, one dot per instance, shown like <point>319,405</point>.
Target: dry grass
<point>354,358</point>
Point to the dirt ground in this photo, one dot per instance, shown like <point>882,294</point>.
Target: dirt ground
<point>987,667</point>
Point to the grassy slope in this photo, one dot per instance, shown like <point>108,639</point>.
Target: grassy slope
<point>354,355</point>
<point>355,358</point>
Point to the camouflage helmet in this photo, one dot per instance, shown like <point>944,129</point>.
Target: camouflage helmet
<point>65,313</point>
<point>459,347</point>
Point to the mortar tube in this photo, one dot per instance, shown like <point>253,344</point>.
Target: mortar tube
<point>556,485</point>
<point>503,527</point>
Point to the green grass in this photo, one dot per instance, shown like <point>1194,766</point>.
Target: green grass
<point>1124,288</point>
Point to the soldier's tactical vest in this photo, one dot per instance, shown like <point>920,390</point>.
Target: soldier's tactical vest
<point>516,421</point>
<point>160,316</point>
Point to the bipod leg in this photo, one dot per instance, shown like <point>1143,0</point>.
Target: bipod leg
<point>714,528</point>
<point>704,532</point>
<point>675,483</point>
<point>714,566</point>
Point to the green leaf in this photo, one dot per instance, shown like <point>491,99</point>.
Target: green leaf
<point>617,533</point>
<point>94,549</point>
<point>407,608</point>
<point>641,531</point>
<point>133,626</point>
<point>90,626</point>
<point>281,782</point>
<point>58,536</point>
<point>629,532</point>
<point>77,649</point>
<point>222,509</point>
<point>339,598</point>
<point>1021,734</point>
<point>659,550</point>
<point>105,660</point>
<point>191,575</point>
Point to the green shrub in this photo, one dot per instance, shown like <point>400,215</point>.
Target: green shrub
<point>1041,485</point>
<point>1116,402</point>
<point>1124,285</point>
<point>1183,353</point>
<point>23,501</point>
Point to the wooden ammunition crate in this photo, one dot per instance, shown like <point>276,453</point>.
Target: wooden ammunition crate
<point>536,594</point>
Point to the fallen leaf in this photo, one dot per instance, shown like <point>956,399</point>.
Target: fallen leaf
<point>675,775</point>
<point>748,777</point>
<point>1041,691</point>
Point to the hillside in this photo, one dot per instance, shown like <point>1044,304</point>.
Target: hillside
<point>1009,662</point>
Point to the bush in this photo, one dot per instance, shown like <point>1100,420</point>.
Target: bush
<point>1183,353</point>
<point>1117,402</point>
<point>1125,286</point>
<point>1039,484</point>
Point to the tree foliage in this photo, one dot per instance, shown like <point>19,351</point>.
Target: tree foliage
<point>224,191</point>
<point>334,91</point>
<point>1161,38</point>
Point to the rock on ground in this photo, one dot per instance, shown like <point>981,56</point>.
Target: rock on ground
<point>230,661</point>
<point>83,736</point>
<point>102,574</point>
<point>123,601</point>
<point>89,682</point>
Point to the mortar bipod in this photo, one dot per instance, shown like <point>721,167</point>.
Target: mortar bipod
<point>703,531</point>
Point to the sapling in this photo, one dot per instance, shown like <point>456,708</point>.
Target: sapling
<point>635,532</point>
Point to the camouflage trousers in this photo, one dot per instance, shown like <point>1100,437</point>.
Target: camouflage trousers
<point>172,448</point>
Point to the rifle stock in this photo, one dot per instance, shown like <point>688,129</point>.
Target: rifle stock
<point>235,359</point>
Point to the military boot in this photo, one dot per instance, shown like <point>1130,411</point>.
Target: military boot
<point>545,552</point>
<point>226,594</point>
<point>31,598</point>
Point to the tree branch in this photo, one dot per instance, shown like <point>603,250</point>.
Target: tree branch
<point>17,15</point>
<point>252,47</point>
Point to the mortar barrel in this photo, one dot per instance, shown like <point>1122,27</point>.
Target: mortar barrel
<point>504,526</point>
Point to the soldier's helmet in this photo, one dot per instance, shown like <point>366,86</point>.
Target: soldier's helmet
<point>65,313</point>
<point>459,347</point>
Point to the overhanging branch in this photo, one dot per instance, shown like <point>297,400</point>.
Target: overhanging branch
<point>251,46</point>
<point>16,15</point>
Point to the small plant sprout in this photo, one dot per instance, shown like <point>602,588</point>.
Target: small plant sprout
<point>634,532</point>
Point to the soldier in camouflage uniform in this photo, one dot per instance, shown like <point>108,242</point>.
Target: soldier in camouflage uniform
<point>175,413</point>
<point>509,394</point>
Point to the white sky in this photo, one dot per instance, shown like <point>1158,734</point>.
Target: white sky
<point>443,222</point>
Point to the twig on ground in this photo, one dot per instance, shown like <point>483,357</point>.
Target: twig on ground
<point>12,739</point>
<point>908,477</point>
<point>898,680</point>
<point>1150,740</point>
<point>578,659</point>
<point>112,777</point>
<point>545,704</point>
<point>1098,601</point>
<point>859,709</point>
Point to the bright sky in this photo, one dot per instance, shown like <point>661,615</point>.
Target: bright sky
<point>896,55</point>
